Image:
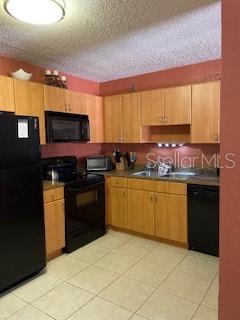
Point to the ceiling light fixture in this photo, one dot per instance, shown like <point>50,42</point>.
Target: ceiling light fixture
<point>36,11</point>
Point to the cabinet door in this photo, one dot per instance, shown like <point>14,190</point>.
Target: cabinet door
<point>54,226</point>
<point>177,105</point>
<point>76,102</point>
<point>6,94</point>
<point>141,211</point>
<point>112,118</point>
<point>152,107</point>
<point>118,207</point>
<point>206,112</point>
<point>171,217</point>
<point>55,99</point>
<point>29,101</point>
<point>131,110</point>
<point>94,108</point>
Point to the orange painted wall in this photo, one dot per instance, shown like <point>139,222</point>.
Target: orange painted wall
<point>188,74</point>
<point>210,70</point>
<point>8,65</point>
<point>230,178</point>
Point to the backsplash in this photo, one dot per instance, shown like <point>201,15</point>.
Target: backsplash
<point>194,155</point>
<point>79,150</point>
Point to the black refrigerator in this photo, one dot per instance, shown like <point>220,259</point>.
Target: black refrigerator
<point>22,234</point>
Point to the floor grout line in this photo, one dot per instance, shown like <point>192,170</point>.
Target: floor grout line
<point>119,275</point>
<point>158,286</point>
<point>201,302</point>
<point>154,289</point>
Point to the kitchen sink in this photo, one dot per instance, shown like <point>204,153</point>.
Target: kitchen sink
<point>182,175</point>
<point>145,174</point>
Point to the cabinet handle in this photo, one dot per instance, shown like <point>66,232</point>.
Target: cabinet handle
<point>155,198</point>
<point>152,198</point>
<point>161,119</point>
<point>70,108</point>
<point>66,107</point>
<point>215,137</point>
<point>165,119</point>
<point>124,194</point>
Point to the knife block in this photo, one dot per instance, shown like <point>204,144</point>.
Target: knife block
<point>120,166</point>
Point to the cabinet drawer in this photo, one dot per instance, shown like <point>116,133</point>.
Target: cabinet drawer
<point>158,186</point>
<point>172,187</point>
<point>118,182</point>
<point>53,194</point>
<point>136,184</point>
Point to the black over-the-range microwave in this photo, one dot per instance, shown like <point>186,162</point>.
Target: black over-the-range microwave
<point>66,127</point>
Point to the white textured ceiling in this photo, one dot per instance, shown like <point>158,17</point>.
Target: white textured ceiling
<point>105,40</point>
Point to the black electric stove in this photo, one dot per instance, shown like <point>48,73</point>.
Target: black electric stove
<point>84,201</point>
<point>66,168</point>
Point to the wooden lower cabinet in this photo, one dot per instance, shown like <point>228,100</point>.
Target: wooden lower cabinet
<point>54,217</point>
<point>161,214</point>
<point>118,207</point>
<point>171,217</point>
<point>140,216</point>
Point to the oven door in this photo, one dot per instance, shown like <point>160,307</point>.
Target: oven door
<point>85,207</point>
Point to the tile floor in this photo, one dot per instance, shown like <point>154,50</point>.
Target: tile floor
<point>119,277</point>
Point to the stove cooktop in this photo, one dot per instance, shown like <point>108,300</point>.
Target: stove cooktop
<point>79,177</point>
<point>66,167</point>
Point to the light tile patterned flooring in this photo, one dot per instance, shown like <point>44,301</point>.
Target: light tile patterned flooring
<point>119,277</point>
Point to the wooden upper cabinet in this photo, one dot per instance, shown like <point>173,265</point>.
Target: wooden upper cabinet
<point>76,102</point>
<point>55,99</point>
<point>112,118</point>
<point>171,217</point>
<point>177,104</point>
<point>206,112</point>
<point>6,94</point>
<point>152,107</point>
<point>94,110</point>
<point>140,216</point>
<point>29,101</point>
<point>130,111</point>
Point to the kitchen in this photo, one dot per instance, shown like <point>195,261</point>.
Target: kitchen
<point>119,227</point>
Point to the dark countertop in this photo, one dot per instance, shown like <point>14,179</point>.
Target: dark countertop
<point>201,179</point>
<point>48,185</point>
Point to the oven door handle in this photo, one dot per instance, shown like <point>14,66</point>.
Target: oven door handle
<point>84,188</point>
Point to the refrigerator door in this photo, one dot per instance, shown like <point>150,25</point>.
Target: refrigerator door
<point>19,140</point>
<point>22,234</point>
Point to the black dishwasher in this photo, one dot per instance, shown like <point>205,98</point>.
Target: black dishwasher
<point>203,219</point>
